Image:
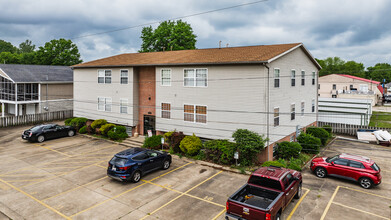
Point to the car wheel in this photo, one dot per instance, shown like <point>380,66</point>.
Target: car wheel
<point>299,192</point>
<point>166,164</point>
<point>41,138</point>
<point>71,133</point>
<point>136,176</point>
<point>320,172</point>
<point>278,216</point>
<point>365,183</point>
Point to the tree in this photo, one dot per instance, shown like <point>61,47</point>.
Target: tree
<point>9,58</point>
<point>169,35</point>
<point>379,72</point>
<point>58,52</point>
<point>7,47</point>
<point>331,65</point>
<point>354,68</point>
<point>26,47</point>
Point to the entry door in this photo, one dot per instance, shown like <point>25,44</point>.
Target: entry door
<point>149,124</point>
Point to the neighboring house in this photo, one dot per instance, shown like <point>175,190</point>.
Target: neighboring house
<point>208,92</point>
<point>31,89</point>
<point>345,111</point>
<point>350,87</point>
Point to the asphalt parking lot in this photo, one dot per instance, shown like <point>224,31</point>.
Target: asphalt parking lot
<point>66,179</point>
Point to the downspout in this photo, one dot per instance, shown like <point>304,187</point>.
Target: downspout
<point>267,109</point>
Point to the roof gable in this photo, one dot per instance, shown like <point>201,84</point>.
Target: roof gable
<point>37,73</point>
<point>214,56</point>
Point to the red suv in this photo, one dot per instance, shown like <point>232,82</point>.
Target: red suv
<point>358,168</point>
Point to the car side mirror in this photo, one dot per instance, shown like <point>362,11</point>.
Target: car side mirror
<point>332,163</point>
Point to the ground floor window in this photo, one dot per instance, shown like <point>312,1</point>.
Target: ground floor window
<point>195,113</point>
<point>166,110</point>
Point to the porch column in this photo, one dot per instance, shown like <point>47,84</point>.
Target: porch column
<point>16,109</point>
<point>2,109</point>
<point>16,99</point>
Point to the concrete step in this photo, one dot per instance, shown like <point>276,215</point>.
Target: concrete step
<point>133,142</point>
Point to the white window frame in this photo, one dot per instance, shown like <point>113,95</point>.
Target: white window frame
<point>313,77</point>
<point>169,111</point>
<point>123,77</point>
<point>276,117</point>
<point>162,79</point>
<point>101,104</point>
<point>195,113</point>
<point>104,76</point>
<point>123,104</point>
<point>107,102</point>
<point>293,112</point>
<point>195,77</point>
<point>293,77</point>
<point>277,73</point>
<point>313,105</point>
<point>302,78</point>
<point>302,107</point>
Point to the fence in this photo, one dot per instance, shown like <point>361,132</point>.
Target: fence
<point>348,128</point>
<point>34,118</point>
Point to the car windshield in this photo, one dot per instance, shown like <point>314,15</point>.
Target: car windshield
<point>36,128</point>
<point>118,161</point>
<point>331,159</point>
<point>375,167</point>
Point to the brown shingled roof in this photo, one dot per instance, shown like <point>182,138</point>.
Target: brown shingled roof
<point>229,55</point>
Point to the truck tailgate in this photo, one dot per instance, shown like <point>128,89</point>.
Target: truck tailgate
<point>247,212</point>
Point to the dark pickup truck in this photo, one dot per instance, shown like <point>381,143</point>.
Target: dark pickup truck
<point>266,194</point>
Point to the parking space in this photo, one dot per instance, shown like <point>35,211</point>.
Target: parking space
<point>333,198</point>
<point>66,178</point>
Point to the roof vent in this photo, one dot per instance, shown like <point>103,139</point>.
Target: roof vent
<point>219,44</point>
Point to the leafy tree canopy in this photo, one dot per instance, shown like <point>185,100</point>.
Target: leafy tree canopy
<point>379,72</point>
<point>26,47</point>
<point>7,47</point>
<point>333,65</point>
<point>169,35</point>
<point>58,52</point>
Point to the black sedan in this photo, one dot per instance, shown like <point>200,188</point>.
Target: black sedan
<point>41,133</point>
<point>133,163</point>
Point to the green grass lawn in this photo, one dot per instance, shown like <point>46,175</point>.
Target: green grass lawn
<point>381,119</point>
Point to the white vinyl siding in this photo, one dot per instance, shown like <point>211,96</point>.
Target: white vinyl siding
<point>166,77</point>
<point>195,78</point>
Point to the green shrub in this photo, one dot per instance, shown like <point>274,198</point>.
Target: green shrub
<point>283,162</point>
<point>106,128</point>
<point>173,140</point>
<point>98,123</point>
<point>190,145</point>
<point>78,122</point>
<point>288,149</point>
<point>328,128</point>
<point>83,129</point>
<point>295,164</point>
<point>309,143</point>
<point>320,133</point>
<point>167,136</point>
<point>153,142</point>
<point>249,144</point>
<point>304,157</point>
<point>68,121</point>
<point>220,151</point>
<point>117,133</point>
<point>272,163</point>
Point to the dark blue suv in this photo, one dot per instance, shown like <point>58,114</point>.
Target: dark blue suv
<point>133,163</point>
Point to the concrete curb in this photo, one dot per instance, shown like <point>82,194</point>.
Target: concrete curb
<point>95,138</point>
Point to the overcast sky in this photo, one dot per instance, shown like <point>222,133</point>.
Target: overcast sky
<point>358,30</point>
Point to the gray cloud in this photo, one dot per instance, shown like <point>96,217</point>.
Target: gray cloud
<point>351,29</point>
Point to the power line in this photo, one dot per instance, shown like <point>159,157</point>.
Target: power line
<point>175,18</point>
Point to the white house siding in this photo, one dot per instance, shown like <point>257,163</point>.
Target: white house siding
<point>236,98</point>
<point>87,90</point>
<point>286,94</point>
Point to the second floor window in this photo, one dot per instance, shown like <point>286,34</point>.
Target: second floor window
<point>276,78</point>
<point>293,77</point>
<point>194,113</point>
<point>166,110</point>
<point>334,87</point>
<point>302,108</point>
<point>195,78</point>
<point>166,77</point>
<point>313,78</point>
<point>124,76</point>
<point>104,76</point>
<point>293,112</point>
<point>276,116</point>
<point>302,77</point>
